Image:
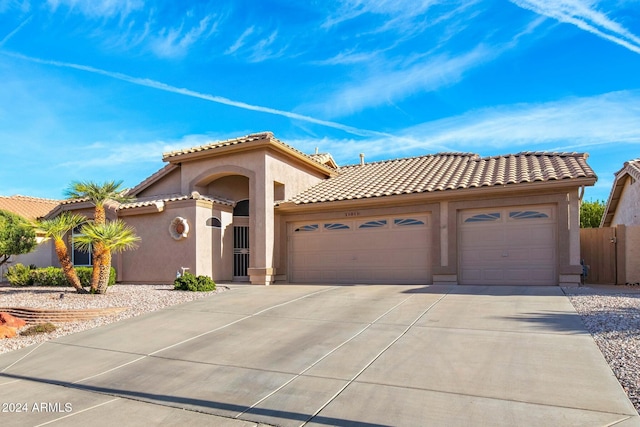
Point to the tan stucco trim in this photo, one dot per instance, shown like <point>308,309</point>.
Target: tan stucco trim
<point>143,210</point>
<point>210,175</point>
<point>249,146</point>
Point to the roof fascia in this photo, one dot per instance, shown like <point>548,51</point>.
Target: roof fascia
<point>614,197</point>
<point>153,179</point>
<point>250,146</point>
<point>68,207</point>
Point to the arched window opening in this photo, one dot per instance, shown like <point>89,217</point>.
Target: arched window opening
<point>214,222</point>
<point>241,208</point>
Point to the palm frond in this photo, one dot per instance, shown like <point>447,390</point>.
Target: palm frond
<point>96,193</point>
<point>58,226</point>
<point>114,236</point>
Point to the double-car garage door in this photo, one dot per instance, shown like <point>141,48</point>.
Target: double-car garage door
<point>385,249</point>
<point>496,246</point>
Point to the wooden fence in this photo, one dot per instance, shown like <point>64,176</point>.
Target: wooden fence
<point>598,247</point>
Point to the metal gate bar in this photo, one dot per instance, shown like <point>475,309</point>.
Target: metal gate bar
<point>240,251</point>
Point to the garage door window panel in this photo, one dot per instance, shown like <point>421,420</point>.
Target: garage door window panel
<point>336,226</point>
<point>307,228</point>
<point>374,224</point>
<point>483,218</point>
<point>527,215</point>
<point>408,222</point>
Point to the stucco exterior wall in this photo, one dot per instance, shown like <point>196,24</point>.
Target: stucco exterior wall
<point>168,184</point>
<point>632,254</point>
<point>233,187</point>
<point>42,256</point>
<point>628,209</point>
<point>159,256</point>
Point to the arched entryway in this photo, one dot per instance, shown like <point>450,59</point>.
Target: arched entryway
<point>234,236</point>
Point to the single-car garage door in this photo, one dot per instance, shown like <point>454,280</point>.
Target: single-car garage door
<point>383,249</point>
<point>508,246</point>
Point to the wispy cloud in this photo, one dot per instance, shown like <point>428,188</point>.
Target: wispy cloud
<point>585,16</point>
<point>395,9</point>
<point>571,124</point>
<point>387,85</point>
<point>187,92</point>
<point>24,6</point>
<point>240,41</point>
<point>264,49</point>
<point>99,8</point>
<point>13,33</point>
<point>175,42</point>
<point>587,124</point>
<point>350,57</point>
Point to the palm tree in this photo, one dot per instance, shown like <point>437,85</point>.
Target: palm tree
<point>56,228</point>
<point>113,236</point>
<point>98,195</point>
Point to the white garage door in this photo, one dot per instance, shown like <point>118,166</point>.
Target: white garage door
<point>508,246</point>
<point>392,250</point>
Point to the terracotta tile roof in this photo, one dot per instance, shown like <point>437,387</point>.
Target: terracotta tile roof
<point>445,171</point>
<point>262,136</point>
<point>159,200</point>
<point>633,167</point>
<point>28,207</point>
<point>325,159</point>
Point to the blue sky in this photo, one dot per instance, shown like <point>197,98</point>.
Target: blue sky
<point>99,89</point>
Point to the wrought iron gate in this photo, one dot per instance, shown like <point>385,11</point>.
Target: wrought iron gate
<point>240,252</point>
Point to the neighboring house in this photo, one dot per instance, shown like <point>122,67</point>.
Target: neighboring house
<point>31,208</point>
<point>256,209</point>
<point>623,206</point>
<point>622,213</point>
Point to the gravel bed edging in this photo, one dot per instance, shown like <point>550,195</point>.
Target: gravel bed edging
<point>138,299</point>
<point>613,318</point>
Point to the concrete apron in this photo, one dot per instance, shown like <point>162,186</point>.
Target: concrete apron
<point>295,355</point>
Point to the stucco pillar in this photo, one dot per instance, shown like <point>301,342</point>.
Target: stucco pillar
<point>571,275</point>
<point>204,242</point>
<point>442,272</point>
<point>261,271</point>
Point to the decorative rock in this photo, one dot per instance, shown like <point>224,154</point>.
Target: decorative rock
<point>7,332</point>
<point>8,320</point>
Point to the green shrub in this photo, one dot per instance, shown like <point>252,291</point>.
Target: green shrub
<point>19,275</point>
<point>41,328</point>
<point>189,282</point>
<point>49,276</point>
<point>84,274</point>
<point>53,276</point>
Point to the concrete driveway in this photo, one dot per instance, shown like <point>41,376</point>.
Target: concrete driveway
<point>295,355</point>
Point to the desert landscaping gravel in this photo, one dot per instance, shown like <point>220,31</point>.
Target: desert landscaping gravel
<point>137,299</point>
<point>611,314</point>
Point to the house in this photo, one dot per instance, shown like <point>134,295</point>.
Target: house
<point>622,217</point>
<point>623,205</point>
<point>256,209</point>
<point>30,208</point>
